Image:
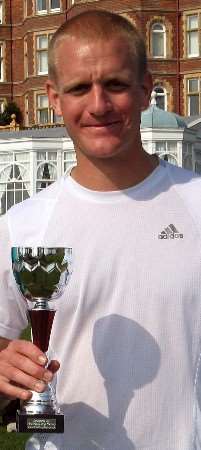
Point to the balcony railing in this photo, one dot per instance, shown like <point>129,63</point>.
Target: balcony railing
<point>13,125</point>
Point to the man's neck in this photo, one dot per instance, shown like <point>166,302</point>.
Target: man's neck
<point>112,175</point>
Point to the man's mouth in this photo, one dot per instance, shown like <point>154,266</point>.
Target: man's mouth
<point>102,125</point>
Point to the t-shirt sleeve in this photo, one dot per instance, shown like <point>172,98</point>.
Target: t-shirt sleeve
<point>13,309</point>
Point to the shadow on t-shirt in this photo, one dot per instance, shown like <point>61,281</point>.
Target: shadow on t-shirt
<point>128,358</point>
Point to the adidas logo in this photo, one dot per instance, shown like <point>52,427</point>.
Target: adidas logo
<point>170,232</point>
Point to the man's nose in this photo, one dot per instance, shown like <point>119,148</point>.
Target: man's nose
<point>99,102</point>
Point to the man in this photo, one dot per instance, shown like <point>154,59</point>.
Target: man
<point>127,331</point>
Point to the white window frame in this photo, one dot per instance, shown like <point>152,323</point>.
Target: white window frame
<point>2,54</point>
<point>1,12</point>
<point>40,11</point>
<point>48,8</point>
<point>25,9</point>
<point>2,105</point>
<point>21,184</point>
<point>189,32</point>
<point>166,151</point>
<point>40,108</point>
<point>39,50</point>
<point>52,10</point>
<point>50,112</point>
<point>191,93</point>
<point>162,31</point>
<point>164,95</point>
<point>69,159</point>
<point>52,163</point>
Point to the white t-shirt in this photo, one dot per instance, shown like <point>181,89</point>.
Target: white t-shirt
<point>127,329</point>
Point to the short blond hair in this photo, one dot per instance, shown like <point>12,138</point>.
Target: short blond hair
<point>104,25</point>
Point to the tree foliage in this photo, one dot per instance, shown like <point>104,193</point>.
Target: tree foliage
<point>10,108</point>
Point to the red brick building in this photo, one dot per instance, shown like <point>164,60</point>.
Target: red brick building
<point>172,29</point>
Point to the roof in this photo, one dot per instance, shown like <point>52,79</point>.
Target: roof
<point>154,117</point>
<point>37,133</point>
<point>194,122</point>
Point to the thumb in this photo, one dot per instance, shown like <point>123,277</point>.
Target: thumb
<point>53,366</point>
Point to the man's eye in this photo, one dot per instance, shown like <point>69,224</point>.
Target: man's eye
<point>80,89</point>
<point>117,86</point>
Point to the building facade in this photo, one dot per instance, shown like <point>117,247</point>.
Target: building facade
<point>26,26</point>
<point>32,158</point>
<point>172,29</point>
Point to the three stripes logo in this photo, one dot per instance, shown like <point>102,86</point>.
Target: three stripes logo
<point>170,232</point>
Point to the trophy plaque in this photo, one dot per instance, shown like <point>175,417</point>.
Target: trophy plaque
<point>41,275</point>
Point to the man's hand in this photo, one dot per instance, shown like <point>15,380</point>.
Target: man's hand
<point>22,369</point>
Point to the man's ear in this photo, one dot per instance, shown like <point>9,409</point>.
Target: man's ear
<point>53,96</point>
<point>146,90</point>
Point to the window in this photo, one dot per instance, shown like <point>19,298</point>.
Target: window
<point>26,110</point>
<point>193,36</point>
<point>45,113</point>
<point>1,61</point>
<point>2,105</point>
<point>193,97</point>
<point>167,150</point>
<point>42,42</point>
<point>47,6</point>
<point>198,167</point>
<point>46,169</point>
<point>54,4</point>
<point>41,6</point>
<point>26,73</point>
<point>14,178</point>
<point>69,160</point>
<point>25,8</point>
<point>161,97</point>
<point>188,157</point>
<point>158,40</point>
<point>42,54</point>
<point>1,12</point>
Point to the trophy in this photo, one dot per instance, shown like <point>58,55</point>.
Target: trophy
<point>41,275</point>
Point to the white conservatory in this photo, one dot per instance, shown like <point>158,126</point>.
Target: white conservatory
<point>170,136</point>
<point>32,159</point>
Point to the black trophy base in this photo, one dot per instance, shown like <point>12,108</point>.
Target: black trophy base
<point>39,423</point>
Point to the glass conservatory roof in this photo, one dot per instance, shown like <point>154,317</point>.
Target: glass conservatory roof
<point>154,117</point>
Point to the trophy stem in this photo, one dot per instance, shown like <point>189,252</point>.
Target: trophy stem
<point>41,318</point>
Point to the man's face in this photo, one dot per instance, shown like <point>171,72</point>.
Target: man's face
<point>99,95</point>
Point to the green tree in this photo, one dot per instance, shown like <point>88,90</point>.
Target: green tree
<point>10,108</point>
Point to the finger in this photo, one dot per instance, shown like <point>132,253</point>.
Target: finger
<point>28,349</point>
<point>14,391</point>
<point>26,365</point>
<point>17,377</point>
